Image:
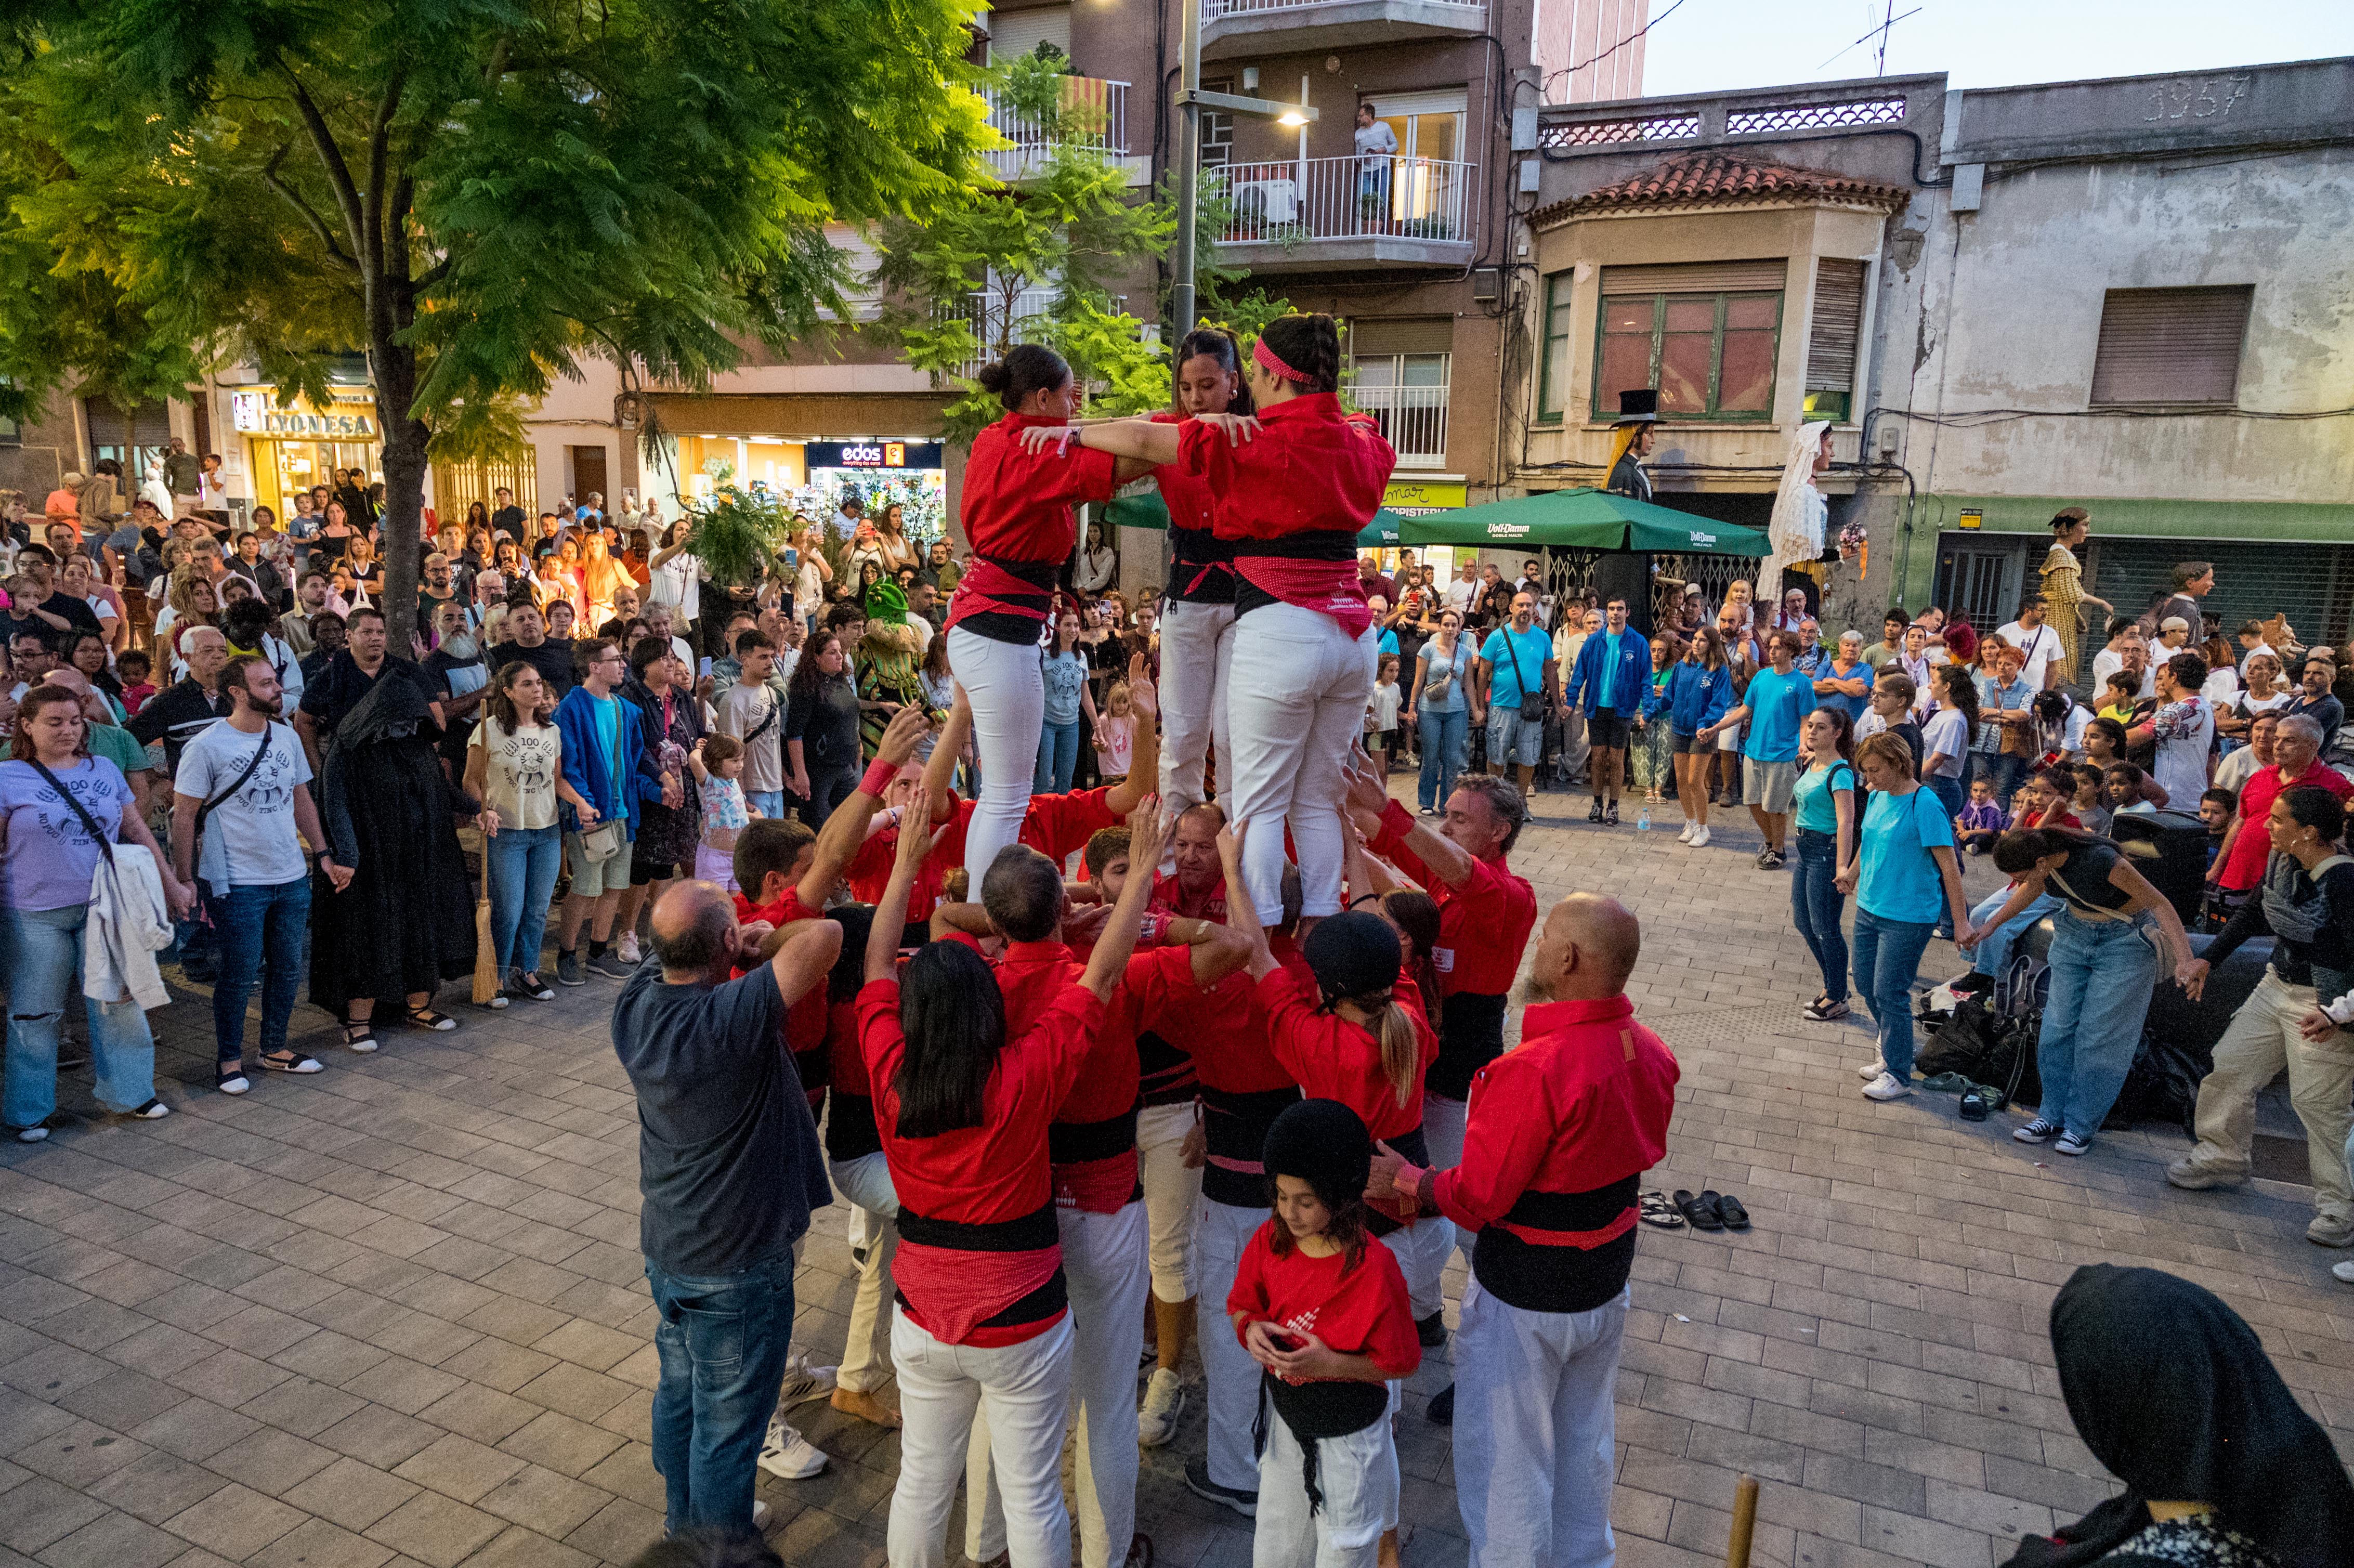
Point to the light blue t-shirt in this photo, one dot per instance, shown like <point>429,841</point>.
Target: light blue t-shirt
<point>1610,641</point>
<point>1389,643</point>
<point>1443,678</point>
<point>608,730</point>
<point>1535,647</point>
<point>1817,811</point>
<point>1777,705</point>
<point>1898,879</point>
<point>1067,677</point>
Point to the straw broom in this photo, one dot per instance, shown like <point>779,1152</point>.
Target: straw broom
<point>486,962</point>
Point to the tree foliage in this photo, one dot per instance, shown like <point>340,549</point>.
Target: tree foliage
<point>482,194</point>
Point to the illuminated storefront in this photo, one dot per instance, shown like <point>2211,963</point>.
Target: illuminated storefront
<point>291,449</point>
<point>812,477</point>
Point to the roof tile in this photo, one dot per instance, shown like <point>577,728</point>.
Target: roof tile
<point>1724,179</point>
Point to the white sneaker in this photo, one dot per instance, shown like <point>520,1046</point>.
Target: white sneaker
<point>789,1455</point>
<point>2344,1271</point>
<point>1164,1402</point>
<point>803,1381</point>
<point>1686,836</point>
<point>1887,1087</point>
<point>1699,837</point>
<point>760,1516</point>
<point>629,947</point>
<point>1871,1069</point>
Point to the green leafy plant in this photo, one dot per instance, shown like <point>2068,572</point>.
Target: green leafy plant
<point>737,531</point>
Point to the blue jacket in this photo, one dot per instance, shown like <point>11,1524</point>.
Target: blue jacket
<point>587,767</point>
<point>1622,688</point>
<point>1657,694</point>
<point>1697,696</point>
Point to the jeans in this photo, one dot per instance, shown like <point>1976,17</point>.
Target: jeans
<point>2102,975</point>
<point>1948,791</point>
<point>1887,952</point>
<point>1444,738</point>
<point>1007,688</point>
<point>265,933</point>
<point>2007,774</point>
<point>523,863</point>
<point>722,1339</point>
<point>1536,1431</point>
<point>1816,904</point>
<point>1295,701</point>
<point>1197,653</point>
<point>1058,757</point>
<point>43,954</point>
<point>1992,956</point>
<point>770,803</point>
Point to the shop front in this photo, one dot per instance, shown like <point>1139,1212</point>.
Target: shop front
<point>809,452</point>
<point>290,450</point>
<point>1420,498</point>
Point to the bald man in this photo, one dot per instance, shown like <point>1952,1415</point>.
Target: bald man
<point>1559,1133</point>
<point>1196,886</point>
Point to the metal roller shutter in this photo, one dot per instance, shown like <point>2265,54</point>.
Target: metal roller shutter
<point>1837,322</point>
<point>151,423</point>
<point>1013,34</point>
<point>1697,278</point>
<point>1431,335</point>
<point>2310,584</point>
<point>2170,345</point>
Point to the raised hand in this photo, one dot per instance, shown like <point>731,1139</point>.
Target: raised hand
<point>906,730</point>
<point>1144,836</point>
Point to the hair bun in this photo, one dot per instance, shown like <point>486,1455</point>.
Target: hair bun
<point>994,377</point>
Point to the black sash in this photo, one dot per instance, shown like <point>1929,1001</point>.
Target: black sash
<point>1078,1142</point>
<point>1031,1232</point>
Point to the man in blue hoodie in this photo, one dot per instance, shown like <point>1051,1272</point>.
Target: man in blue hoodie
<point>1610,676</point>
<point>605,759</point>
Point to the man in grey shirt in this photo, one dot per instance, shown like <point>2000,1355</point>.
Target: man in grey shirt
<point>1376,145</point>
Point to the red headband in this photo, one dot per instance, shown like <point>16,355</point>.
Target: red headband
<point>1268,362</point>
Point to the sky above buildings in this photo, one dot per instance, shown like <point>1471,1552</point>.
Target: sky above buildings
<point>1706,46</point>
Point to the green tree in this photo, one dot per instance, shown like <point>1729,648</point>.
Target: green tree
<point>482,194</point>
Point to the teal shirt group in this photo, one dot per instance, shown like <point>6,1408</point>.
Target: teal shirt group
<point>1897,878</point>
<point>1815,810</point>
<point>1777,705</point>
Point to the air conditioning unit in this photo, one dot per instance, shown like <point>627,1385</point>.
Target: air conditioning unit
<point>1487,284</point>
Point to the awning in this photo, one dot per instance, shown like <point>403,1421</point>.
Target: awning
<point>1588,520</point>
<point>1146,510</point>
<point>2284,521</point>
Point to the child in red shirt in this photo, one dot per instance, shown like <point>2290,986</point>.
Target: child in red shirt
<point>1324,1311</point>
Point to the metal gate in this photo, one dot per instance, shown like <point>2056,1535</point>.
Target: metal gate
<point>1569,575</point>
<point>2313,585</point>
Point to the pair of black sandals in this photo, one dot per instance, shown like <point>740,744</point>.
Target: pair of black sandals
<point>1708,1211</point>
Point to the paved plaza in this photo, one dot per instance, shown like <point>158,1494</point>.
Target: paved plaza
<point>395,1314</point>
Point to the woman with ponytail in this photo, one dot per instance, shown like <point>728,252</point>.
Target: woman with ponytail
<point>1289,489</point>
<point>1017,512</point>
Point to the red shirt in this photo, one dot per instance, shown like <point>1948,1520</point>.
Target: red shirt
<point>2264,786</point>
<point>1017,504</point>
<point>1332,1059</point>
<point>1186,493</point>
<point>1359,1311</point>
<point>1483,925</point>
<point>805,1024</point>
<point>1057,826</point>
<point>1583,1102</point>
<point>1170,894</point>
<point>984,1175</point>
<point>1215,1023</point>
<point>1032,976</point>
<point>1311,469</point>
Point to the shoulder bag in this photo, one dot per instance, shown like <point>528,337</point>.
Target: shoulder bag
<point>252,763</point>
<point>89,823</point>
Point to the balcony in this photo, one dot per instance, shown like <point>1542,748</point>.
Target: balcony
<point>1231,28</point>
<point>1413,420</point>
<point>994,319</point>
<point>1321,215</point>
<point>1093,114</point>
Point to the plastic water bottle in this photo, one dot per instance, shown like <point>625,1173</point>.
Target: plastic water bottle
<point>1643,819</point>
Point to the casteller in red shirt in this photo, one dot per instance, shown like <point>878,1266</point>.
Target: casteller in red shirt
<point>1358,1311</point>
<point>805,1023</point>
<point>1016,511</point>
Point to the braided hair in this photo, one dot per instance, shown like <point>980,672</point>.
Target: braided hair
<point>1310,344</point>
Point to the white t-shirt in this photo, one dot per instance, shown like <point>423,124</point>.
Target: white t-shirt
<point>2042,646</point>
<point>2108,662</point>
<point>2221,689</point>
<point>2234,772</point>
<point>249,838</point>
<point>744,709</point>
<point>1947,734</point>
<point>1458,595</point>
<point>2181,765</point>
<point>1376,144</point>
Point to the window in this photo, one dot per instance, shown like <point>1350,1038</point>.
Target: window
<point>1217,130</point>
<point>1711,355</point>
<point>1014,33</point>
<point>1553,377</point>
<point>2170,345</point>
<point>1425,187</point>
<point>1831,342</point>
<point>1406,395</point>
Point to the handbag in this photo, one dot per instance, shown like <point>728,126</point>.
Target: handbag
<point>603,842</point>
<point>206,810</point>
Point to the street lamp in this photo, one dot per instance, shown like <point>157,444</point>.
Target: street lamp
<point>1191,101</point>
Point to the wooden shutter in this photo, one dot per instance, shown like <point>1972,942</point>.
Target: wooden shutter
<point>1839,322</point>
<point>1697,278</point>
<point>2170,345</point>
<point>1368,339</point>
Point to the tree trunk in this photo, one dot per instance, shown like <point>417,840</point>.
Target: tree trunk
<point>394,370</point>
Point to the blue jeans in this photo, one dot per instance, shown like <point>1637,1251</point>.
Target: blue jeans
<point>1887,952</point>
<point>524,864</point>
<point>723,1341</point>
<point>2006,773</point>
<point>770,803</point>
<point>1058,757</point>
<point>2101,974</point>
<point>43,953</point>
<point>1993,955</point>
<point>1816,904</point>
<point>265,935</point>
<point>829,787</point>
<point>1948,790</point>
<point>1444,738</point>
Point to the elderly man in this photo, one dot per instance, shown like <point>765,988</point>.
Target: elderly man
<point>1561,1131</point>
<point>730,1168</point>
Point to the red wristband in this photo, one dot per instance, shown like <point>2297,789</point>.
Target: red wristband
<point>879,775</point>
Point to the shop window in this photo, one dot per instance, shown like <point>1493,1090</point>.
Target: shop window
<point>2170,345</point>
<point>1553,377</point>
<point>1711,357</point>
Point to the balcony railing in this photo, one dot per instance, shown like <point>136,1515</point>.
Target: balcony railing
<point>1092,113</point>
<point>1213,10</point>
<point>1305,200</point>
<point>994,319</point>
<point>1413,420</point>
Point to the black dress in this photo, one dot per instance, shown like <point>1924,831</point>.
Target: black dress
<point>667,837</point>
<point>406,922</point>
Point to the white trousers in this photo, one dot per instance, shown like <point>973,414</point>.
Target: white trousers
<point>1171,1193</point>
<point>1007,686</point>
<point>1103,1264</point>
<point>1421,1250</point>
<point>1534,1426</point>
<point>1197,655</point>
<point>865,1184</point>
<point>1358,1479</point>
<point>1442,1131</point>
<point>1025,1392</point>
<point>1295,702</point>
<point>1221,1230</point>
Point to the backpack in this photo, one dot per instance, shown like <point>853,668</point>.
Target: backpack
<point>1986,1048</point>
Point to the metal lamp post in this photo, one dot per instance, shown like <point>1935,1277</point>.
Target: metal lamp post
<point>1191,101</point>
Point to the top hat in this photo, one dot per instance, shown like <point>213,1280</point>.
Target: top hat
<point>1639,406</point>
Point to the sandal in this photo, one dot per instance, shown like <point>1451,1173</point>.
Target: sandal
<point>359,1035</point>
<point>290,1061</point>
<point>1655,1210</point>
<point>1700,1210</point>
<point>231,1080</point>
<point>426,1018</point>
<point>1974,1103</point>
<point>1728,1209</point>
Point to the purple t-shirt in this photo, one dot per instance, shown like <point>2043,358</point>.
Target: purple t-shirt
<point>50,856</point>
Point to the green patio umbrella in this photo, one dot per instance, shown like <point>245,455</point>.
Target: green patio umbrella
<point>1147,511</point>
<point>1586,519</point>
